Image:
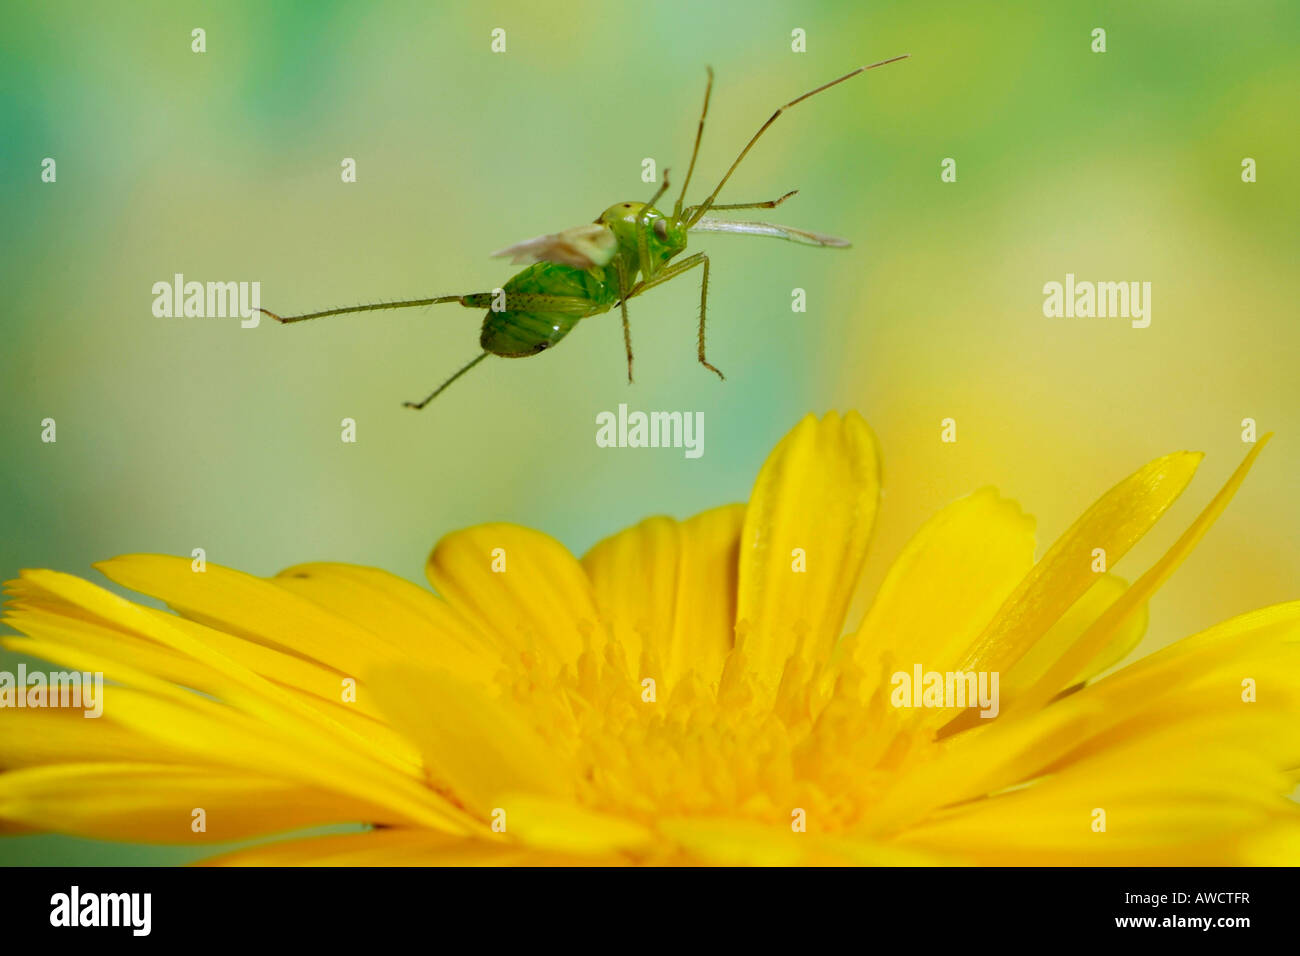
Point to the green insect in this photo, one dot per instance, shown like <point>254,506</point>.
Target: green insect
<point>590,269</point>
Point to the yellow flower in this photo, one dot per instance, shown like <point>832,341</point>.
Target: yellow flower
<point>683,694</point>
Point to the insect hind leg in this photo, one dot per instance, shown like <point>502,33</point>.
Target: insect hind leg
<point>373,307</point>
<point>443,387</point>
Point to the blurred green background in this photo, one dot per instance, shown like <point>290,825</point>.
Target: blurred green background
<point>182,433</point>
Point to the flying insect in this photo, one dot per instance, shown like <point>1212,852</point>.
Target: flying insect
<point>590,269</point>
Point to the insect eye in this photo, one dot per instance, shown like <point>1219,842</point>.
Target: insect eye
<point>661,229</point>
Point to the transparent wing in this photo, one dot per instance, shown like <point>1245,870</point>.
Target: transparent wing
<point>744,228</point>
<point>581,247</point>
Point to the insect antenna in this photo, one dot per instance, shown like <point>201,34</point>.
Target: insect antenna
<point>694,213</point>
<point>408,304</point>
<point>443,387</point>
<point>699,135</point>
<point>663,188</point>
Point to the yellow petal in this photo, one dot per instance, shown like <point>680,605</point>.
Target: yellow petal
<point>551,824</point>
<point>1114,523</point>
<point>947,583</point>
<point>285,749</point>
<point>422,627</point>
<point>1197,678</point>
<point>478,746</point>
<point>1176,798</point>
<point>1065,633</point>
<point>673,583</point>
<point>250,607</point>
<point>155,803</point>
<point>80,622</point>
<point>62,735</point>
<point>1234,647</point>
<point>148,640</point>
<point>737,842</point>
<point>397,847</point>
<point>119,654</point>
<point>813,505</point>
<point>1102,630</point>
<point>538,600</point>
<point>39,616</point>
<point>746,843</point>
<point>266,739</point>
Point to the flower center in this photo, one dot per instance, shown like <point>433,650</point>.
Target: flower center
<point>649,748</point>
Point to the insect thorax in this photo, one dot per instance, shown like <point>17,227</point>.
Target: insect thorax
<point>664,237</point>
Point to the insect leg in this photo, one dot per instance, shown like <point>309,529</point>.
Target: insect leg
<point>770,204</point>
<point>672,272</point>
<point>669,272</point>
<point>704,301</point>
<point>471,300</point>
<point>622,304</point>
<point>441,388</point>
<point>408,304</point>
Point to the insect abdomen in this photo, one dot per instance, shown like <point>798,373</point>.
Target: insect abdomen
<point>517,332</point>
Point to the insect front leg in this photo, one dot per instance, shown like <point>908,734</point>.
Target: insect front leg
<point>768,204</point>
<point>672,272</point>
<point>622,304</point>
<point>704,301</point>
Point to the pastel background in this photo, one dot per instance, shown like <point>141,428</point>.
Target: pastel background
<point>183,433</point>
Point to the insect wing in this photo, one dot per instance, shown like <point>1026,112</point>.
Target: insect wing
<point>582,247</point>
<point>744,228</point>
